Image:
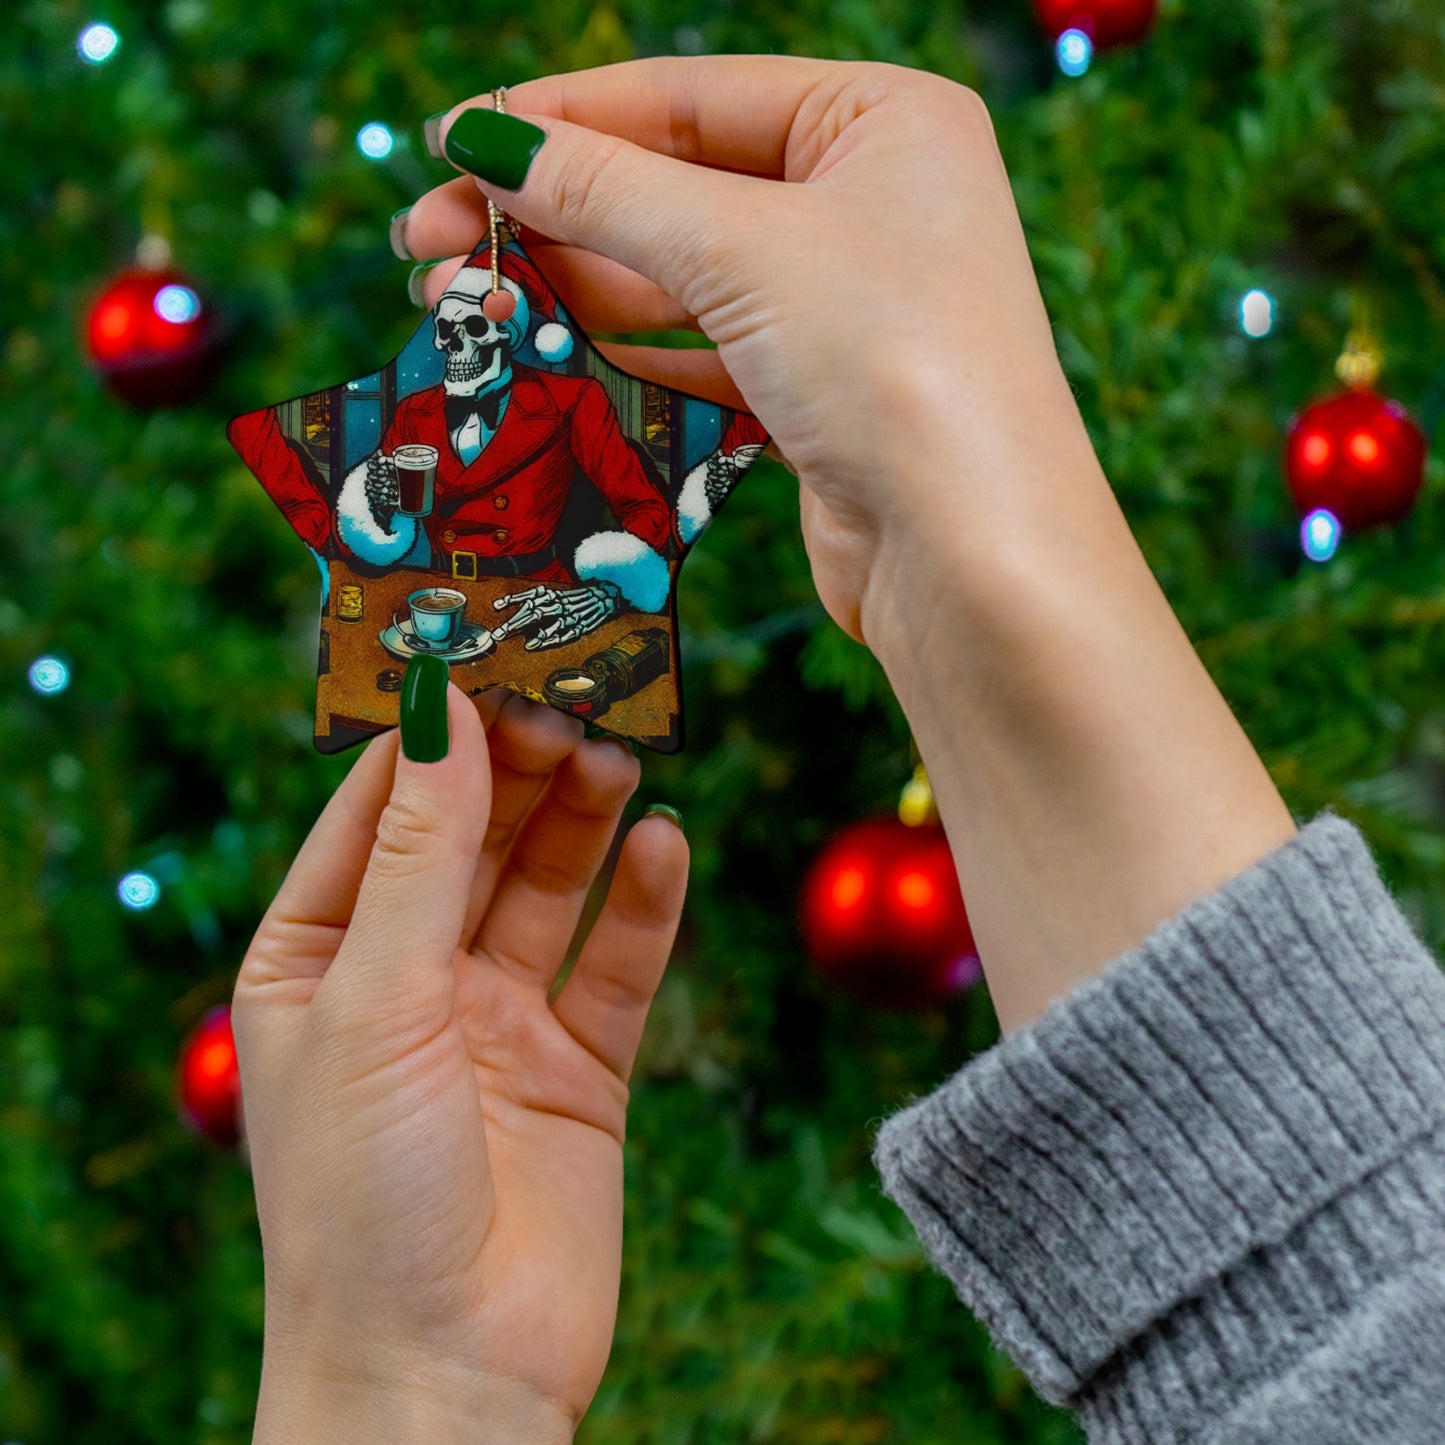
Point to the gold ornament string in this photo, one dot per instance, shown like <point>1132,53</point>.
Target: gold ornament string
<point>494,211</point>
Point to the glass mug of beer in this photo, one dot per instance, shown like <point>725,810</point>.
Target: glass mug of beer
<point>416,474</point>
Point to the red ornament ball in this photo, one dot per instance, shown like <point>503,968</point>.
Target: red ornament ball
<point>210,1081</point>
<point>1357,455</point>
<point>1107,23</point>
<point>883,916</point>
<point>152,338</point>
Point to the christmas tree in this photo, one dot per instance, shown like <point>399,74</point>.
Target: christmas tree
<point>157,645</point>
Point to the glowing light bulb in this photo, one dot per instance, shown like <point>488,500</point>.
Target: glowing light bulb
<point>1256,313</point>
<point>97,44</point>
<point>138,891</point>
<point>49,675</point>
<point>375,141</point>
<point>1320,535</point>
<point>1075,52</point>
<point>177,304</point>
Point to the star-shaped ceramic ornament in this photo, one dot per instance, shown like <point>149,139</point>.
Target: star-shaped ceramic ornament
<point>502,497</point>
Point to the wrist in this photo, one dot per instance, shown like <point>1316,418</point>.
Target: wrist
<point>407,1401</point>
<point>1092,779</point>
<point>982,511</point>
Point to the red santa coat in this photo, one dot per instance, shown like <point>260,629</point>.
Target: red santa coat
<point>272,456</point>
<point>509,499</point>
<point>743,430</point>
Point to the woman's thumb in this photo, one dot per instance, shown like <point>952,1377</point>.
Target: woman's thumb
<point>661,217</point>
<point>404,931</point>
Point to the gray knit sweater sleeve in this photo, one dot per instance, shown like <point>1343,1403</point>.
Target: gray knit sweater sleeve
<point>1202,1199</point>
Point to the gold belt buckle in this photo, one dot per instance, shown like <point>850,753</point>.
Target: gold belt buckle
<point>464,566</point>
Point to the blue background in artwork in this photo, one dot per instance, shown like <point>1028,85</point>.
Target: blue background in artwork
<point>701,431</point>
<point>420,364</point>
<point>362,428</point>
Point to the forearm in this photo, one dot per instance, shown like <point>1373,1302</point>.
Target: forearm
<point>1092,779</point>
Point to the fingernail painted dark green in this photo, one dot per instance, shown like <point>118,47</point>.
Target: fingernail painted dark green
<point>397,234</point>
<point>425,737</point>
<point>413,283</point>
<point>431,133</point>
<point>671,814</point>
<point>592,731</point>
<point>498,148</point>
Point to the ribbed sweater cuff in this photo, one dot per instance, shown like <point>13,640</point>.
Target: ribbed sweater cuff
<point>1163,1130</point>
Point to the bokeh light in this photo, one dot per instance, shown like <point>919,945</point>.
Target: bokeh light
<point>1315,451</point>
<point>177,304</point>
<point>1320,535</point>
<point>915,890</point>
<point>49,675</point>
<point>1075,52</point>
<point>138,891</point>
<point>1256,313</point>
<point>849,887</point>
<point>964,971</point>
<point>375,140</point>
<point>97,43</point>
<point>1364,448</point>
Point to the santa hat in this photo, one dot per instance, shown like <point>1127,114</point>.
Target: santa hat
<point>552,340</point>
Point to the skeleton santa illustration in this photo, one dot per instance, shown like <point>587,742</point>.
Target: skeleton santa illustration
<point>520,419</point>
<point>512,440</point>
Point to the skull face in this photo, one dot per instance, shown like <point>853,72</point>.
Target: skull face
<point>479,352</point>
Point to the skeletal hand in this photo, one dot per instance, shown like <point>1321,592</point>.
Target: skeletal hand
<point>383,490</point>
<point>561,614</point>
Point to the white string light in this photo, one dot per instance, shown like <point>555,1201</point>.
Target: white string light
<point>97,43</point>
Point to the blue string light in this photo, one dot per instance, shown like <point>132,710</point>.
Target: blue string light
<point>1320,535</point>
<point>177,304</point>
<point>1075,52</point>
<point>138,891</point>
<point>49,675</point>
<point>97,44</point>
<point>375,141</point>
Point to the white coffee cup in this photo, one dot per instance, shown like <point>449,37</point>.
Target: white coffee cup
<point>437,615</point>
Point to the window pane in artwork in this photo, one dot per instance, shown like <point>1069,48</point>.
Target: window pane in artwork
<point>363,428</point>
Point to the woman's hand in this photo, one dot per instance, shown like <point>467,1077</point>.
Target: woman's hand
<point>437,1148</point>
<point>880,315</point>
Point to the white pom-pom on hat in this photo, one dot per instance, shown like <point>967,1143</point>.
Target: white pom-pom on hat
<point>553,341</point>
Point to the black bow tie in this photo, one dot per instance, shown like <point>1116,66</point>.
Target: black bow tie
<point>486,406</point>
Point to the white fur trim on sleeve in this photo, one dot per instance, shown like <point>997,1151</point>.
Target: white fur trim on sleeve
<point>629,564</point>
<point>693,511</point>
<point>358,530</point>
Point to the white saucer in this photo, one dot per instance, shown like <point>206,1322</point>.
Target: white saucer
<point>471,642</point>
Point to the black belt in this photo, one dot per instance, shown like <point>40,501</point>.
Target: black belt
<point>467,566</point>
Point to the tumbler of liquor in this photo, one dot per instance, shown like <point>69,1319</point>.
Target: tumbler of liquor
<point>350,604</point>
<point>416,473</point>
